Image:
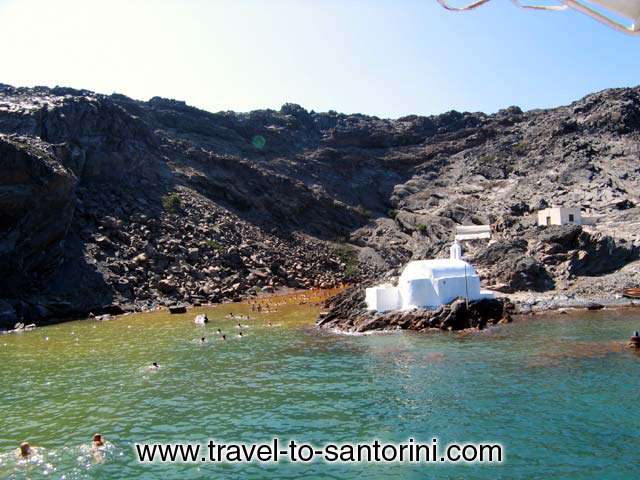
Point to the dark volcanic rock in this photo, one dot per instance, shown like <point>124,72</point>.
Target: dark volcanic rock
<point>508,268</point>
<point>36,207</point>
<point>8,316</point>
<point>563,236</point>
<point>599,254</point>
<point>105,200</point>
<point>581,253</point>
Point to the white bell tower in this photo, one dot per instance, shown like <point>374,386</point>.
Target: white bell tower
<point>455,251</point>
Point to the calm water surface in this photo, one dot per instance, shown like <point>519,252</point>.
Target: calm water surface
<point>559,393</point>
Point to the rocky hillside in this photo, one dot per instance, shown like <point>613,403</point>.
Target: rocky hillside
<point>109,203</point>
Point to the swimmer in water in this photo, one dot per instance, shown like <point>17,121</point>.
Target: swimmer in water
<point>26,450</point>
<point>153,367</point>
<point>224,337</point>
<point>238,325</point>
<point>270,324</point>
<point>240,334</point>
<point>98,446</point>
<point>203,340</point>
<point>98,441</point>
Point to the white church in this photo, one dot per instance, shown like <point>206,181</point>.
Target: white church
<point>429,284</point>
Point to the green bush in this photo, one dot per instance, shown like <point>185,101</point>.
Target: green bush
<point>351,273</point>
<point>172,202</point>
<point>393,213</point>
<point>520,148</point>
<point>344,253</point>
<point>487,158</point>
<point>347,255</point>
<point>213,245</point>
<point>422,228</point>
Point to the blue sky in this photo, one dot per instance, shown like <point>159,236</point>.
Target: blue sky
<point>380,57</point>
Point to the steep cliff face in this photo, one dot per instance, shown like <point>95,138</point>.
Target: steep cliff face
<point>37,201</point>
<point>107,201</point>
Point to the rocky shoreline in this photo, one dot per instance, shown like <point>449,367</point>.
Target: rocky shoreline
<point>346,312</point>
<point>563,303</point>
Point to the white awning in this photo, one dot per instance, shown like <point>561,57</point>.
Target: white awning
<point>472,236</point>
<point>626,8</point>
<point>629,9</point>
<point>473,232</point>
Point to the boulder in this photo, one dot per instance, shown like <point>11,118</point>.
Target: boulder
<point>8,315</point>
<point>167,285</point>
<point>507,267</point>
<point>141,259</point>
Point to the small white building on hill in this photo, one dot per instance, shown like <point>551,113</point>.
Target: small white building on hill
<point>559,216</point>
<point>428,284</point>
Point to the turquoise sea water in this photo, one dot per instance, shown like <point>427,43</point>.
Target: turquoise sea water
<point>559,393</point>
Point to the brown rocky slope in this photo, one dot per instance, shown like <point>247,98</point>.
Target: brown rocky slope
<point>108,202</point>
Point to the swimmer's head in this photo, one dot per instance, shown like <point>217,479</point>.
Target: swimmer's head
<point>224,337</point>
<point>25,449</point>
<point>98,441</point>
<point>155,364</point>
<point>203,339</point>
